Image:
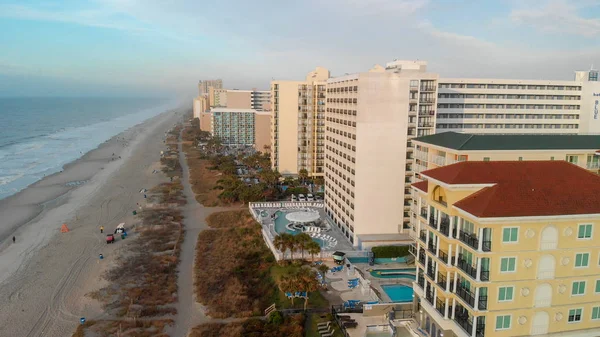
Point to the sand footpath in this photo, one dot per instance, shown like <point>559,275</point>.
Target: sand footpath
<point>45,275</point>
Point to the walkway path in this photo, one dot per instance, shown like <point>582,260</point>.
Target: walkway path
<point>190,313</point>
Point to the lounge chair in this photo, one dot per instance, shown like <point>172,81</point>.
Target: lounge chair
<point>323,324</point>
<point>325,329</point>
<point>328,334</point>
<point>350,325</point>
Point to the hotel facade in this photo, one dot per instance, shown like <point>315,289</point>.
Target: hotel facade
<point>240,127</point>
<point>371,118</point>
<point>298,124</point>
<point>508,248</point>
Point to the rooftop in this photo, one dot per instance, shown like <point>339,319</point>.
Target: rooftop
<point>421,185</point>
<point>466,142</point>
<point>523,188</point>
<point>231,110</point>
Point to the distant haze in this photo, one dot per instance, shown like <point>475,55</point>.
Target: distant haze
<point>153,47</point>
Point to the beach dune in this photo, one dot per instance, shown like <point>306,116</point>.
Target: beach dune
<point>45,274</point>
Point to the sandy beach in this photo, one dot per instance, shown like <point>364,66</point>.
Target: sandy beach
<point>45,275</point>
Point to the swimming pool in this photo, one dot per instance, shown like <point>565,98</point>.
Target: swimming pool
<point>381,260</point>
<point>398,292</point>
<point>281,222</point>
<point>407,273</point>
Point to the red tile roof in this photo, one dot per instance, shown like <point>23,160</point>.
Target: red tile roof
<point>523,188</point>
<point>421,185</point>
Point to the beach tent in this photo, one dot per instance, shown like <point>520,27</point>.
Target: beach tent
<point>338,257</point>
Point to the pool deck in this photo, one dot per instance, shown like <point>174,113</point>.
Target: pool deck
<point>342,241</point>
<point>339,282</point>
<point>377,282</point>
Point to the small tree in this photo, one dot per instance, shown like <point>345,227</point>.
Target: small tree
<point>313,249</point>
<point>292,245</point>
<point>289,284</point>
<point>303,174</point>
<point>306,279</point>
<point>280,243</point>
<point>302,242</point>
<point>323,269</point>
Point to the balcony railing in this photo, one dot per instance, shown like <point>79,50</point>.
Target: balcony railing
<point>442,281</point>
<point>422,256</point>
<point>412,249</point>
<point>465,266</point>
<point>473,241</point>
<point>432,222</point>
<point>423,236</point>
<point>421,281</point>
<point>445,226</point>
<point>431,247</point>
<point>424,212</point>
<point>465,323</point>
<point>429,295</point>
<point>431,271</point>
<point>440,305</point>
<point>444,257</point>
<point>466,295</point>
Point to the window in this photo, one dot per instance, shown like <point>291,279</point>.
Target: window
<point>486,158</point>
<point>582,260</point>
<point>508,264</point>
<point>598,286</point>
<point>596,313</point>
<point>578,288</point>
<point>520,158</point>
<point>505,294</point>
<point>584,231</point>
<point>575,315</point>
<point>503,322</point>
<point>552,158</point>
<point>510,234</point>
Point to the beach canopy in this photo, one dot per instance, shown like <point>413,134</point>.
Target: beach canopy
<point>64,228</point>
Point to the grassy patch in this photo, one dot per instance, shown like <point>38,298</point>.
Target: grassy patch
<point>290,326</point>
<point>312,322</point>
<point>315,299</point>
<point>232,266</point>
<point>125,328</point>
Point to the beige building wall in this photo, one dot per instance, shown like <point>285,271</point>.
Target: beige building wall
<point>238,99</point>
<point>262,131</point>
<point>371,118</point>
<point>284,140</point>
<point>206,121</point>
<point>196,107</point>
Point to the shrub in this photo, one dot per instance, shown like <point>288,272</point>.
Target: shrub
<point>389,251</point>
<point>276,318</point>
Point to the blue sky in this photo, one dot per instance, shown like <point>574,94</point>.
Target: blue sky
<point>155,47</point>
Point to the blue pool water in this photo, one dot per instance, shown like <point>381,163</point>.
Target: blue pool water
<point>407,273</point>
<point>381,260</point>
<point>398,292</point>
<point>281,222</point>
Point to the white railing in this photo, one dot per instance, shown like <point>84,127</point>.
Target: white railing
<point>421,155</point>
<point>543,302</point>
<point>544,274</point>
<point>284,204</point>
<point>591,166</point>
<point>539,329</point>
<point>548,245</point>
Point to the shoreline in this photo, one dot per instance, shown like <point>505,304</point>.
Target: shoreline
<point>45,275</point>
<point>29,204</point>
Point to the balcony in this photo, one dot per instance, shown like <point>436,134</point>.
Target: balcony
<point>440,305</point>
<point>423,212</point>
<point>465,323</point>
<point>421,281</point>
<point>442,281</point>
<point>425,100</point>
<point>465,266</point>
<point>444,257</point>
<point>422,256</point>
<point>473,241</point>
<point>428,88</point>
<point>466,295</point>
<point>429,295</point>
<point>431,247</point>
<point>423,236</point>
<point>412,249</point>
<point>445,226</point>
<point>431,271</point>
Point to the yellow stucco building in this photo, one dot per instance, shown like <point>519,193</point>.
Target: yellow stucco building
<point>508,248</point>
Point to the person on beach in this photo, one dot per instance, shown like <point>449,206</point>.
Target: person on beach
<point>14,239</point>
<point>101,229</point>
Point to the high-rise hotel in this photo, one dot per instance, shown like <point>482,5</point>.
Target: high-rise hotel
<point>371,118</point>
<point>298,124</point>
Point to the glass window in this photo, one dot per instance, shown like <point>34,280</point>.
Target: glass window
<point>584,231</point>
<point>578,288</point>
<point>505,294</point>
<point>582,259</point>
<point>503,322</point>
<point>596,313</point>
<point>508,264</point>
<point>575,315</point>
<point>510,234</point>
<point>486,158</point>
<point>598,286</point>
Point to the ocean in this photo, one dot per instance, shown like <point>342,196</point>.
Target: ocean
<point>40,135</point>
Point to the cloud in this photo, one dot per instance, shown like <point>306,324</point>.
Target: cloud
<point>379,7</point>
<point>453,38</point>
<point>558,17</point>
<point>87,17</point>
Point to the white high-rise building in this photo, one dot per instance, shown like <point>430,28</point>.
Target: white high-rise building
<point>370,120</point>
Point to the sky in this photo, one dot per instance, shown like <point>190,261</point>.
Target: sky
<point>157,47</point>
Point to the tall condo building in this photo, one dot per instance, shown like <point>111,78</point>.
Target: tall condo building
<point>240,127</point>
<point>204,86</point>
<point>240,99</point>
<point>261,100</point>
<point>298,130</point>
<point>508,248</point>
<point>519,106</point>
<point>370,120</point>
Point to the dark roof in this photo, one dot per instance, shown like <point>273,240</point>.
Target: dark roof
<point>523,188</point>
<point>466,141</point>
<point>421,185</point>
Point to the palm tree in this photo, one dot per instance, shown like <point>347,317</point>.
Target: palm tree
<point>293,245</point>
<point>288,284</point>
<point>307,281</point>
<point>303,240</point>
<point>303,174</point>
<point>280,243</point>
<point>313,249</point>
